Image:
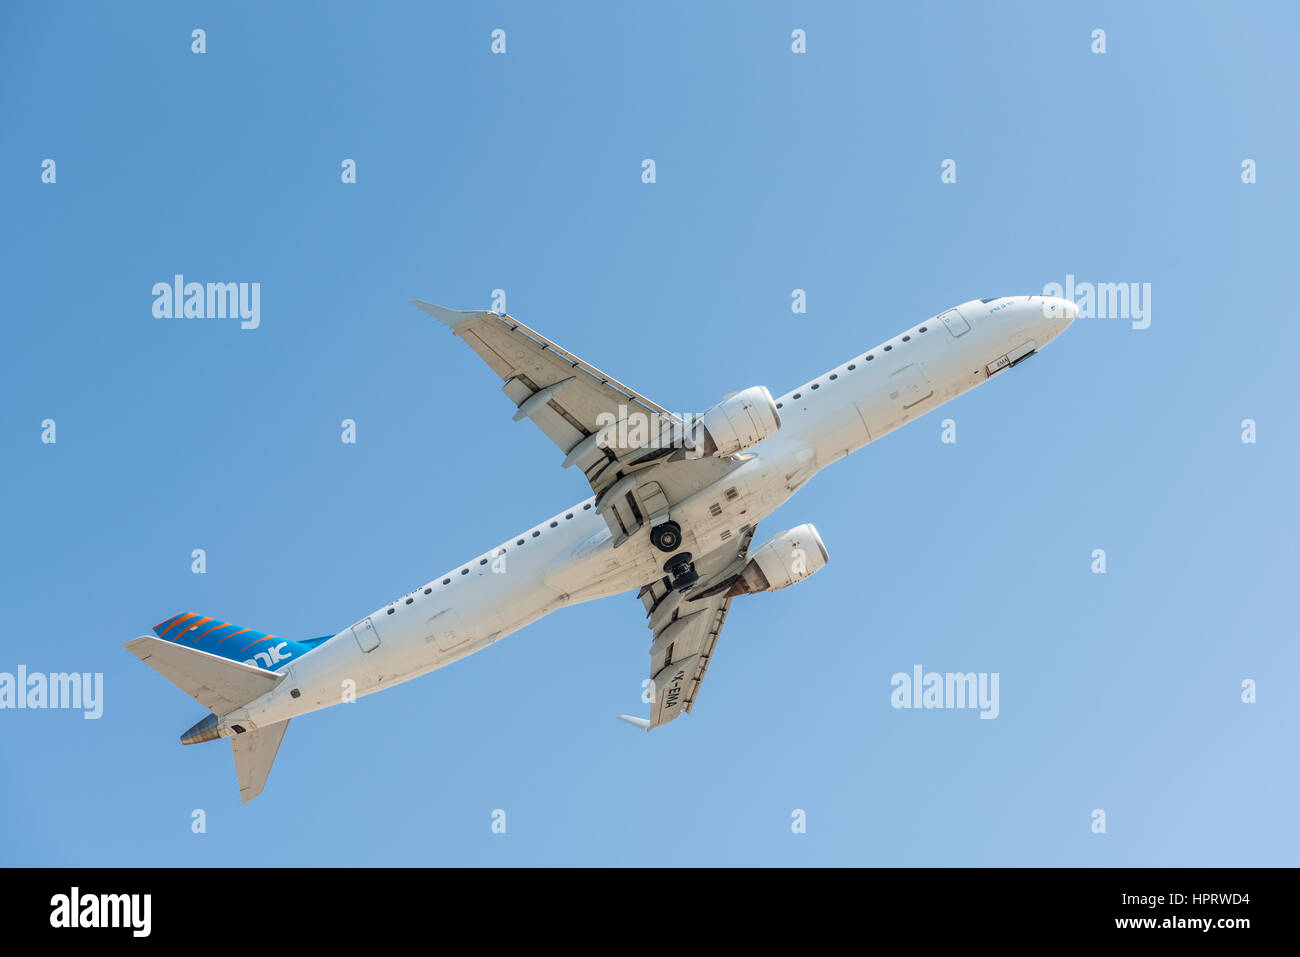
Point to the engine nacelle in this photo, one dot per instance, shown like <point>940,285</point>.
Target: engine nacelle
<point>734,424</point>
<point>789,557</point>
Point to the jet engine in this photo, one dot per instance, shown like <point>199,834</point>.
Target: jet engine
<point>740,420</point>
<point>789,557</point>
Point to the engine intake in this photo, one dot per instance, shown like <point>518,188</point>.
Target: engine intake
<point>738,422</point>
<point>789,557</point>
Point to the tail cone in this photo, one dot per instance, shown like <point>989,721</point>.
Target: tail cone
<point>205,730</point>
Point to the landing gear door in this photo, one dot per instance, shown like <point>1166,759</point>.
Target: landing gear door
<point>366,636</point>
<point>957,325</point>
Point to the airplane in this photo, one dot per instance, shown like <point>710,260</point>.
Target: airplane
<point>676,501</point>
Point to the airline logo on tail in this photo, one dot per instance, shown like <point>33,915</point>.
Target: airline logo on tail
<point>246,645</point>
<point>272,656</point>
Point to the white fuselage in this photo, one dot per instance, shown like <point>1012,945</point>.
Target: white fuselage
<point>570,557</point>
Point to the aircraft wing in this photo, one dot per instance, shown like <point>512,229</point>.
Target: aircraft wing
<point>635,477</point>
<point>686,632</point>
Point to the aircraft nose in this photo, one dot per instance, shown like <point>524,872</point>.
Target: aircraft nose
<point>1061,312</point>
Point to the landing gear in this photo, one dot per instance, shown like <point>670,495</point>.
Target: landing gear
<point>681,570</point>
<point>666,537</point>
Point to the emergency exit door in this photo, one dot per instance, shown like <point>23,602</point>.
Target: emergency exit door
<point>366,636</point>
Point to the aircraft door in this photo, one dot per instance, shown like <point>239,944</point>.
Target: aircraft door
<point>366,636</point>
<point>956,323</point>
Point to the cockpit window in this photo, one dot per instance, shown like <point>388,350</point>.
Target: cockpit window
<point>990,298</point>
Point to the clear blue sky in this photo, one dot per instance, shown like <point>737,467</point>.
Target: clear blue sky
<point>775,171</point>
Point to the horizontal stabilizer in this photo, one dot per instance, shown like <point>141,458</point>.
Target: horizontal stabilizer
<point>255,752</point>
<point>642,723</point>
<point>217,683</point>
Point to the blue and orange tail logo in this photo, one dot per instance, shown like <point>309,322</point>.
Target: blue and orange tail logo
<point>256,648</point>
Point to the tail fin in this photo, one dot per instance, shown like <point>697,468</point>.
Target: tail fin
<point>224,667</point>
<point>225,640</point>
<point>221,686</point>
<point>255,752</point>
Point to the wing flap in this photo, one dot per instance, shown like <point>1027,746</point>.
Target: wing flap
<point>539,406</point>
<point>676,685</point>
<point>686,632</point>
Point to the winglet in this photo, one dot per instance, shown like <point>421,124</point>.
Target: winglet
<point>451,317</point>
<point>642,723</point>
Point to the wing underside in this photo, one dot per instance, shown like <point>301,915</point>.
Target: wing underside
<point>630,449</point>
<point>686,632</point>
